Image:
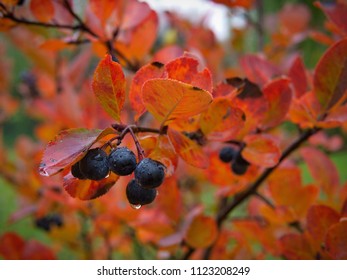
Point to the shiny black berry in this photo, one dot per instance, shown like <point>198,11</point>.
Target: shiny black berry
<point>149,173</point>
<point>76,172</point>
<point>227,154</point>
<point>138,195</point>
<point>47,222</point>
<point>122,161</point>
<point>94,165</point>
<point>239,166</point>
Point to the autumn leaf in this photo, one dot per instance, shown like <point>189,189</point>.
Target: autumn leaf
<point>319,218</point>
<point>261,150</point>
<point>279,96</point>
<point>336,12</point>
<point>202,232</point>
<point>322,169</point>
<point>67,147</point>
<point>296,247</point>
<point>298,77</point>
<point>149,71</point>
<point>109,86</point>
<point>88,189</point>
<point>103,9</point>
<point>168,99</point>
<point>336,241</point>
<point>188,149</point>
<point>221,121</point>
<point>330,77</point>
<point>42,10</point>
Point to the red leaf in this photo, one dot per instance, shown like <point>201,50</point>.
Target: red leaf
<point>319,219</point>
<point>296,247</point>
<point>103,9</point>
<point>247,4</point>
<point>11,246</point>
<point>261,150</point>
<point>202,232</point>
<point>221,121</point>
<point>149,71</point>
<point>279,96</point>
<point>87,189</point>
<point>168,100</point>
<point>330,76</point>
<point>322,169</point>
<point>36,251</point>
<point>336,241</point>
<point>42,10</point>
<point>185,69</point>
<point>109,86</point>
<point>188,149</point>
<point>67,147</point>
<point>257,69</point>
<point>336,12</point>
<point>297,74</point>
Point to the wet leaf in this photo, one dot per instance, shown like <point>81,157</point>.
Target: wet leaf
<point>109,86</point>
<point>261,150</point>
<point>188,149</point>
<point>67,147</point>
<point>330,77</point>
<point>88,189</point>
<point>168,100</point>
<point>202,232</point>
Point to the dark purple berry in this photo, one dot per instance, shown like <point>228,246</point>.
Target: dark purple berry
<point>122,161</point>
<point>138,195</point>
<point>149,173</point>
<point>76,172</point>
<point>239,166</point>
<point>47,222</point>
<point>94,165</point>
<point>227,154</point>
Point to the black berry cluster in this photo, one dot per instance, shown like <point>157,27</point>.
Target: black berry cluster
<point>149,174</point>
<point>47,222</point>
<point>238,164</point>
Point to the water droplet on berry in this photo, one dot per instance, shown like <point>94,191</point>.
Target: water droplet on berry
<point>108,175</point>
<point>136,206</point>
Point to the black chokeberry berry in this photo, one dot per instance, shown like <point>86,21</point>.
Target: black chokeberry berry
<point>149,173</point>
<point>76,172</point>
<point>239,166</point>
<point>138,195</point>
<point>227,154</point>
<point>122,161</point>
<point>47,222</point>
<point>94,165</point>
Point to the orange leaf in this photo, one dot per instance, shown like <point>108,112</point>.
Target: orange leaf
<point>261,150</point>
<point>336,12</point>
<point>221,121</point>
<point>11,246</point>
<point>202,232</point>
<point>296,247</point>
<point>109,86</point>
<point>42,10</point>
<point>103,9</point>
<point>188,149</point>
<point>322,169</point>
<point>165,153</point>
<point>185,69</point>
<point>336,241</point>
<point>87,189</point>
<point>67,147</point>
<point>279,96</point>
<point>168,100</point>
<point>330,76</point>
<point>149,71</point>
<point>319,219</point>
